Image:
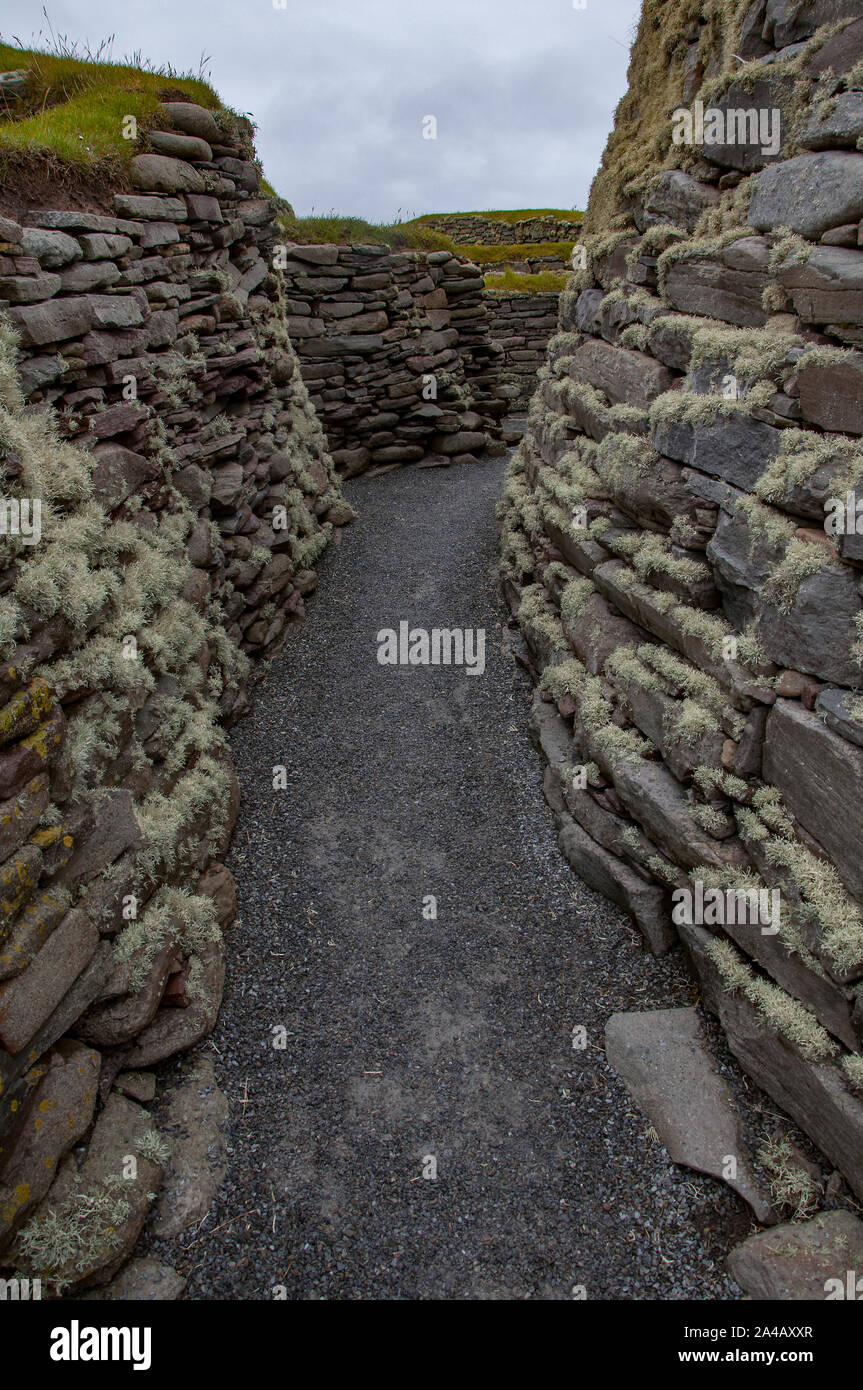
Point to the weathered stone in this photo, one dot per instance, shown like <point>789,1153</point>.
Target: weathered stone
<point>840,126</point>
<point>644,902</point>
<point>119,473</point>
<point>116,830</point>
<point>633,378</point>
<point>158,173</point>
<point>173,1030</point>
<point>755,116</point>
<point>195,1117</point>
<point>29,999</point>
<point>796,635</point>
<point>840,53</point>
<point>31,929</point>
<point>59,1113</point>
<point>29,289</point>
<point>150,208</point>
<point>836,707</point>
<point>815,1095</point>
<point>192,119</point>
<point>20,814</point>
<point>120,1131</point>
<point>817,771</point>
<point>809,193</point>
<point>831,394</point>
<point>732,446</point>
<point>657,801</point>
<point>828,287</point>
<point>120,1020</point>
<point>717,287</point>
<point>662,1059</point>
<point>89,275</point>
<point>189,147</point>
<point>679,198</point>
<point>53,321</point>
<point>51,249</point>
<point>142,1280</point>
<point>203,208</point>
<point>801,1261</point>
<point>790,21</point>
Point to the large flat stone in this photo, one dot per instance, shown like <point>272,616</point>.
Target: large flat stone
<point>809,193</point>
<point>744,106</point>
<point>813,1094</point>
<point>59,1113</point>
<point>159,173</point>
<point>732,446</point>
<point>828,287</point>
<point>661,1057</point>
<point>841,126</point>
<point>831,394</point>
<point>28,1000</point>
<point>120,472</point>
<point>633,378</point>
<point>116,830</point>
<point>840,53</point>
<point>790,21</point>
<point>195,1117</point>
<point>726,286</point>
<point>819,774</point>
<point>679,198</point>
<point>795,1262</point>
<point>797,638</point>
<point>52,322</point>
<point>645,902</point>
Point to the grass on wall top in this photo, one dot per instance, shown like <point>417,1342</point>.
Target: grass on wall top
<point>511,282</point>
<point>493,255</point>
<point>508,215</point>
<point>75,107</point>
<point>346,231</point>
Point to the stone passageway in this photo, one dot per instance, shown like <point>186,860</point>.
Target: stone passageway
<point>406,1037</point>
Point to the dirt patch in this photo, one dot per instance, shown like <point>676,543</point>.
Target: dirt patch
<point>38,179</point>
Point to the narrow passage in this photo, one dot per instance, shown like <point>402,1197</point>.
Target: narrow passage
<point>406,1038</point>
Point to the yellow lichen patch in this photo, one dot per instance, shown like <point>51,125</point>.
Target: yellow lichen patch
<point>25,710</point>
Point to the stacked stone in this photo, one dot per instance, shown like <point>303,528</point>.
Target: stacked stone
<point>186,491</point>
<point>694,626</point>
<point>522,325</point>
<point>472,229</point>
<point>393,347</point>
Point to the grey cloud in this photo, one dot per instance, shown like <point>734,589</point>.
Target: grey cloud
<point>524,94</point>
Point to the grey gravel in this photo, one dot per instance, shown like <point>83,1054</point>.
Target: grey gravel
<point>407,1037</point>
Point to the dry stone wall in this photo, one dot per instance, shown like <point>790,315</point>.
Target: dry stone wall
<point>691,613</point>
<point>166,491</point>
<point>521,324</point>
<point>395,353</point>
<point>470,229</point>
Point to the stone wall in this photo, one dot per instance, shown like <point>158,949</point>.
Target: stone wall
<point>153,409</point>
<point>395,353</point>
<point>470,229</point>
<point>693,621</point>
<point>521,324</point>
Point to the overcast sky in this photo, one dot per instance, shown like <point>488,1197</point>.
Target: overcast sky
<point>523,91</point>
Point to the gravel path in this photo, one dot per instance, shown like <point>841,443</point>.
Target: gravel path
<point>406,1037</point>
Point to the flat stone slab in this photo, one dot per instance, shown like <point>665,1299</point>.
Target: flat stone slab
<point>661,1058</point>
<point>195,1123</point>
<point>142,1280</point>
<point>806,1260</point>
